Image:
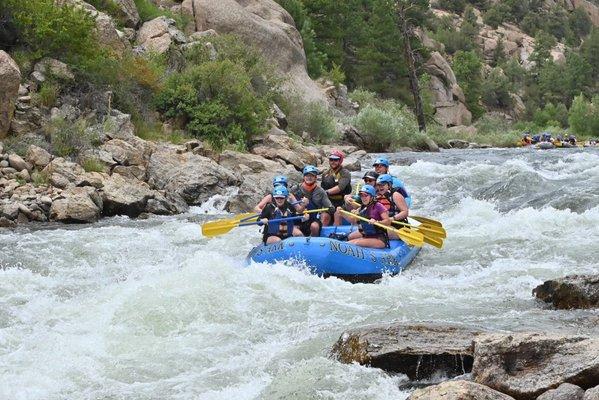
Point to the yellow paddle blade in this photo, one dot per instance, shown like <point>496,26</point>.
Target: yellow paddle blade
<point>225,221</point>
<point>425,220</point>
<point>433,241</point>
<point>218,229</point>
<point>412,238</point>
<point>434,231</point>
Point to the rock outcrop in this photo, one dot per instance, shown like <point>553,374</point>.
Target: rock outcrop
<point>419,351</point>
<point>10,78</point>
<point>159,34</point>
<point>576,291</point>
<point>265,25</point>
<point>449,100</point>
<point>525,365</point>
<point>565,391</point>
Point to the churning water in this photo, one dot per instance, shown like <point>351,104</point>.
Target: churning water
<point>152,310</point>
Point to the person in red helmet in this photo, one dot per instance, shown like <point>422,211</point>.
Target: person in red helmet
<point>336,182</point>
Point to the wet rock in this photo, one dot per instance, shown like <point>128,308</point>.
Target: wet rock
<point>16,162</point>
<point>458,144</point>
<point>39,157</point>
<point>9,211</point>
<point>77,204</point>
<point>565,391</point>
<point>419,351</point>
<point>591,394</point>
<point>166,205</point>
<point>576,291</point>
<point>125,196</point>
<point>525,365</point>
<point>458,390</point>
<point>10,78</point>
<point>6,223</point>
<point>192,177</point>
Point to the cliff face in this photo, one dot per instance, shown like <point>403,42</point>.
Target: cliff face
<point>268,27</point>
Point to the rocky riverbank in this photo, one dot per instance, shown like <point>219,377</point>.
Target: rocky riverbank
<point>476,363</point>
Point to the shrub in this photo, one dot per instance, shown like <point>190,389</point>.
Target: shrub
<point>148,10</point>
<point>496,89</point>
<point>335,75</point>
<point>584,116</point>
<point>47,95</point>
<point>69,138</point>
<point>93,165</point>
<point>313,118</point>
<point>39,178</point>
<point>496,15</point>
<point>387,126</point>
<point>456,6</point>
<point>551,115</point>
<point>216,102</point>
<point>467,68</point>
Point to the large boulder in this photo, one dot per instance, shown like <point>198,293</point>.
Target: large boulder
<point>419,351</point>
<point>193,177</point>
<point>576,291</point>
<point>125,196</point>
<point>458,390</point>
<point>592,394</point>
<point>159,34</point>
<point>10,78</point>
<point>525,365</point>
<point>449,100</point>
<point>39,157</point>
<point>265,25</point>
<point>128,12</point>
<point>62,173</point>
<point>77,204</point>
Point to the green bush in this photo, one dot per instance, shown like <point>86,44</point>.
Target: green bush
<point>467,67</point>
<point>216,102</point>
<point>50,30</point>
<point>496,89</point>
<point>93,165</point>
<point>335,75</point>
<point>454,40</point>
<point>313,118</point>
<point>584,116</point>
<point>148,10</point>
<point>496,15</point>
<point>47,95</point>
<point>387,126</point>
<point>551,115</point>
<point>68,139</point>
<point>455,6</point>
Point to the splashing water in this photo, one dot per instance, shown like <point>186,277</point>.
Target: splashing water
<point>152,310</point>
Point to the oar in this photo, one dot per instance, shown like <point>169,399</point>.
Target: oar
<point>236,218</point>
<point>224,226</point>
<point>411,238</point>
<point>430,230</point>
<point>425,220</point>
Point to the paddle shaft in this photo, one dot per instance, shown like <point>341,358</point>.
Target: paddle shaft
<point>285,219</point>
<point>417,240</point>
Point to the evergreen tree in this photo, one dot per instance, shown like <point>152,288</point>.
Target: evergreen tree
<point>467,67</point>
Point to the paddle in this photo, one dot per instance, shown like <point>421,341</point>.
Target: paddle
<point>220,227</point>
<point>434,231</point>
<point>425,220</point>
<point>411,238</point>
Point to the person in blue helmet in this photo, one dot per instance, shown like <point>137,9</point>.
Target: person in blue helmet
<point>368,234</point>
<point>352,201</point>
<point>312,197</point>
<point>279,180</point>
<point>536,139</point>
<point>381,165</point>
<point>278,208</point>
<point>392,200</point>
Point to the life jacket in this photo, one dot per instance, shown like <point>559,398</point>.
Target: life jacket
<point>386,200</point>
<point>368,229</point>
<point>282,229</point>
<point>331,179</point>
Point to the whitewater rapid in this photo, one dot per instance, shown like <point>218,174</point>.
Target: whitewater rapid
<point>150,309</point>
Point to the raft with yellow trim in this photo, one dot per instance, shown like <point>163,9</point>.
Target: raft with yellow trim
<point>326,256</point>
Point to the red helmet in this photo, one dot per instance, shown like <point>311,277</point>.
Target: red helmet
<point>337,154</point>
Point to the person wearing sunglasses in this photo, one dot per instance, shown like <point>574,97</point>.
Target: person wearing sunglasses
<point>368,234</point>
<point>336,182</point>
<point>312,197</point>
<point>393,200</point>
<point>278,208</point>
<point>381,165</point>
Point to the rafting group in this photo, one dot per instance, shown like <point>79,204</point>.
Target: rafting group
<point>302,210</point>
<point>545,140</point>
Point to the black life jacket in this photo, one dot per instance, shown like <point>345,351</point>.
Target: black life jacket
<point>331,179</point>
<point>282,229</point>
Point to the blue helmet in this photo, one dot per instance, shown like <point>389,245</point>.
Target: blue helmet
<point>397,183</point>
<point>385,178</point>
<point>310,169</point>
<point>381,160</point>
<point>280,191</point>
<point>369,189</point>
<point>279,180</point>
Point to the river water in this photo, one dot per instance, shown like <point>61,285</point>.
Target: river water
<point>150,309</point>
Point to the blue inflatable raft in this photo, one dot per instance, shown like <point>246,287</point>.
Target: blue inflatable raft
<point>330,257</point>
